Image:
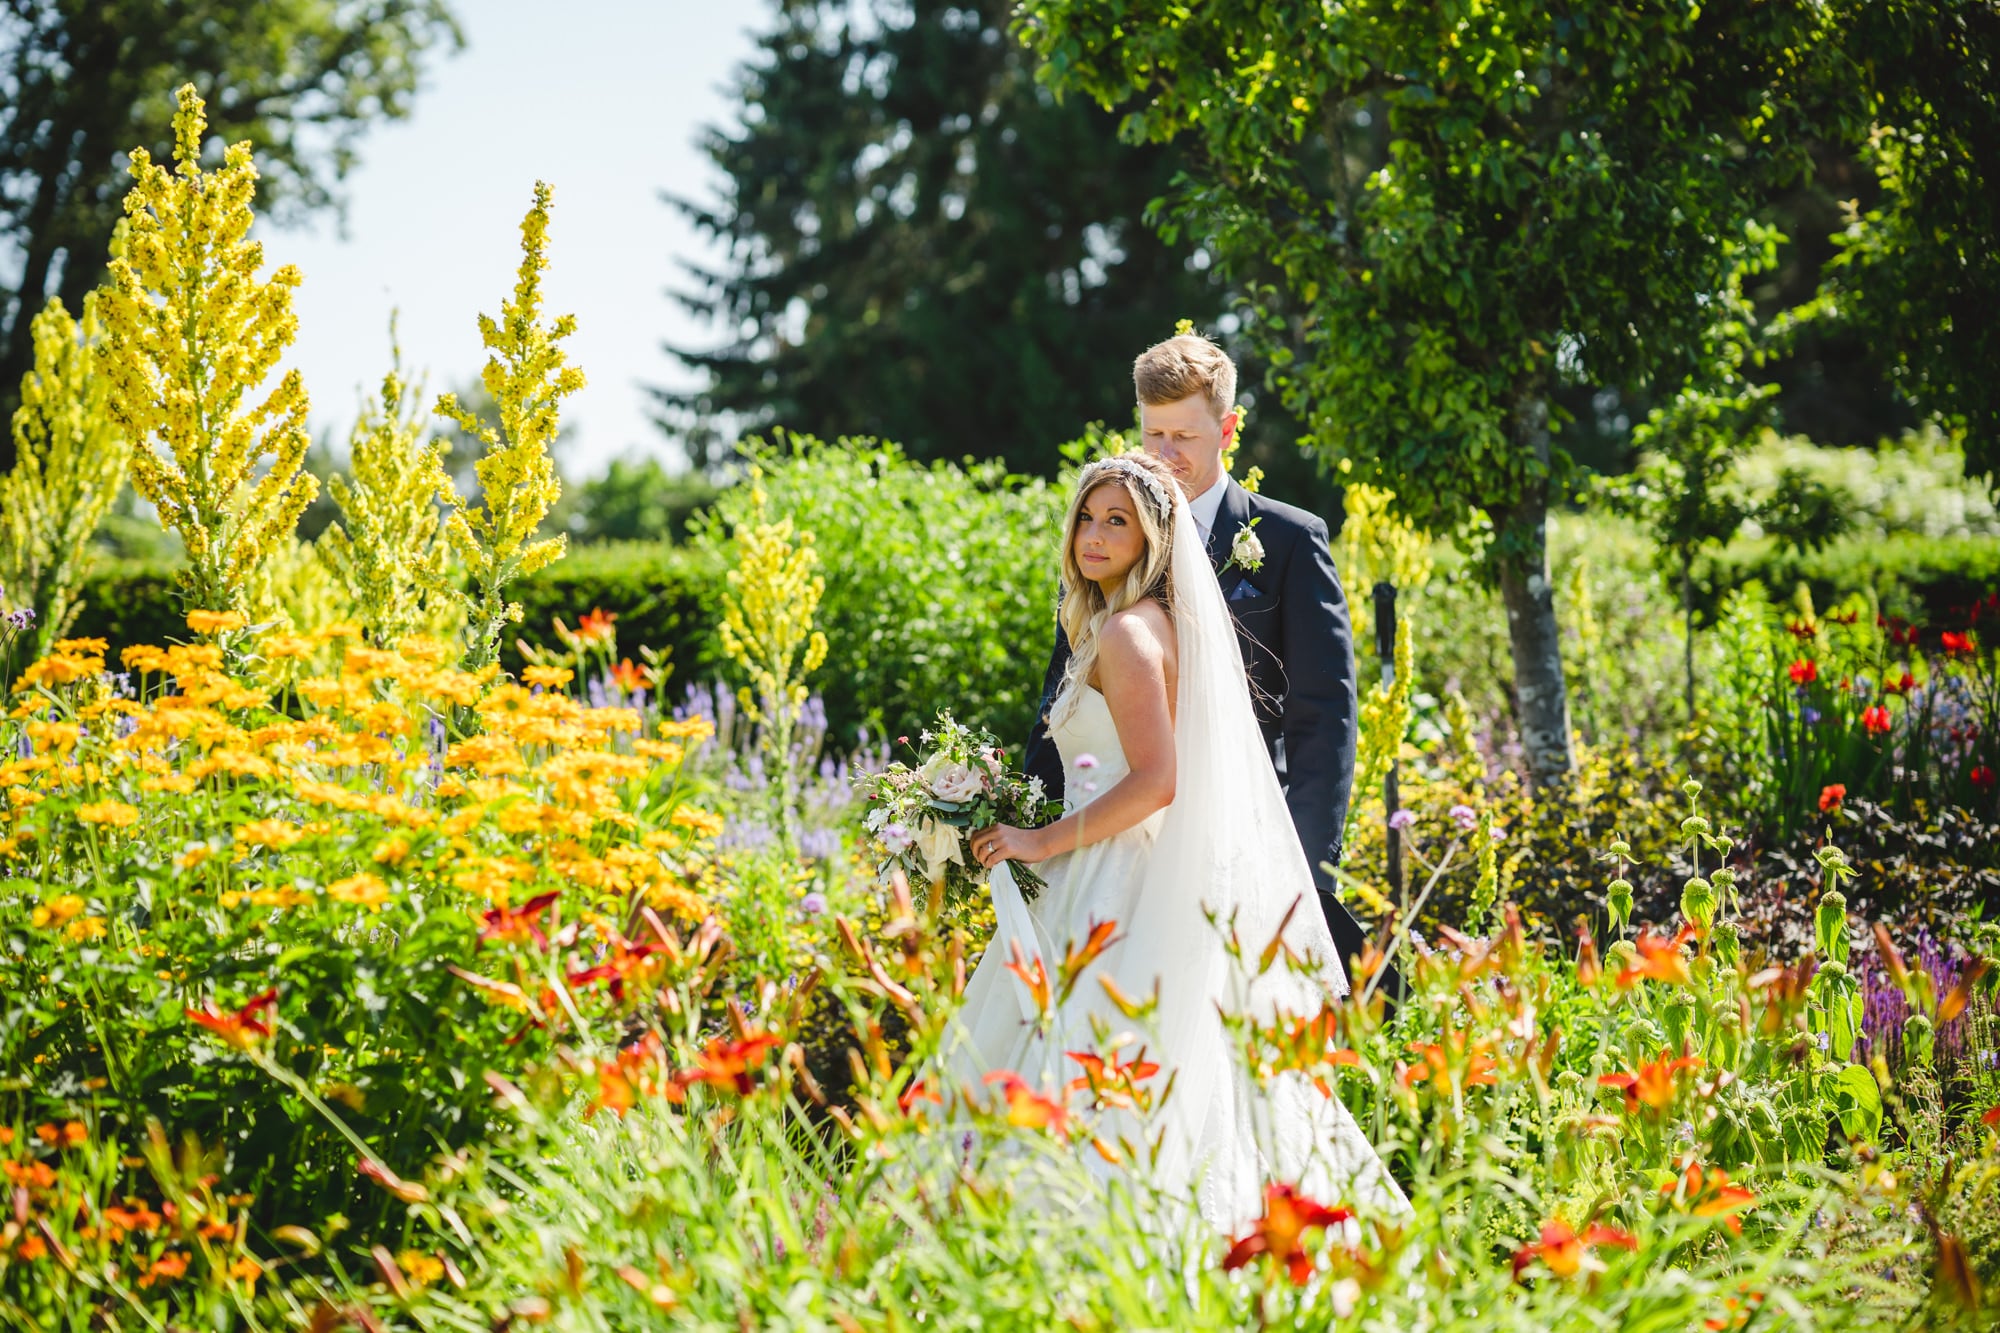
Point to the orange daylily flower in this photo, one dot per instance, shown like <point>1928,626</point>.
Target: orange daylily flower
<point>1033,975</point>
<point>1564,1252</point>
<point>638,1069</point>
<point>1706,1192</point>
<point>518,925</point>
<point>1784,993</point>
<point>242,1029</point>
<point>1660,959</point>
<point>727,1062</point>
<point>1954,1001</point>
<point>1026,1108</point>
<point>1653,1085</point>
<point>631,678</point>
<point>1280,1233</point>
<point>596,625</point>
<point>919,1091</point>
<point>1438,1060</point>
<point>626,961</point>
<point>1107,1080</point>
<point>1078,957</point>
<point>1991,1119</point>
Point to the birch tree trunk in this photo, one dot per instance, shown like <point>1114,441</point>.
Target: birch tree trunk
<point>1529,596</point>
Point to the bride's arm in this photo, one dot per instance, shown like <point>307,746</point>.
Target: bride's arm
<point>1132,660</point>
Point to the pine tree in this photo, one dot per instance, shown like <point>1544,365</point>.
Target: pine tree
<point>925,246</point>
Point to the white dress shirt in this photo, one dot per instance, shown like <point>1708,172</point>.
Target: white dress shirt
<point>1206,505</point>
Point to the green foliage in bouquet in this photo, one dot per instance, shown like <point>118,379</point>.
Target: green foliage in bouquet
<point>920,816</point>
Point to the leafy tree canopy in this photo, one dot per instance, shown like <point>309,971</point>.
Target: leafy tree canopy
<point>84,81</point>
<point>1555,203</point>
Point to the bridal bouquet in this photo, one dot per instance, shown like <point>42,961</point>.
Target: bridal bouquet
<point>920,817</point>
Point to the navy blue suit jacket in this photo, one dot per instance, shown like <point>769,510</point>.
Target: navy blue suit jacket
<point>1292,625</point>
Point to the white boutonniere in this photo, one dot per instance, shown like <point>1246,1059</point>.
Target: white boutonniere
<point>1245,551</point>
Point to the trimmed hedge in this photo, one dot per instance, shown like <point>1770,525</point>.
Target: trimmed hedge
<point>1930,580</point>
<point>940,588</point>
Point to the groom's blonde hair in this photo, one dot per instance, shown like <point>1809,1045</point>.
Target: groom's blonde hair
<point>1182,366</point>
<point>1085,607</point>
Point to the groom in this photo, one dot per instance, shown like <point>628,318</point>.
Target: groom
<point>1278,578</point>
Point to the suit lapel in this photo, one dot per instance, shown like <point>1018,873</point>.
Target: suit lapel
<point>1230,517</point>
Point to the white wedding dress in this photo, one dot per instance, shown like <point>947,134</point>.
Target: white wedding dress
<point>1225,849</point>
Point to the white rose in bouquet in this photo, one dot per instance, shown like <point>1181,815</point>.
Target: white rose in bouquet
<point>950,780</point>
<point>939,842</point>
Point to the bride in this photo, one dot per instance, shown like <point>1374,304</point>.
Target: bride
<point>1176,830</point>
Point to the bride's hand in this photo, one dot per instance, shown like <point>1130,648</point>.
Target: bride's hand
<point>1003,842</point>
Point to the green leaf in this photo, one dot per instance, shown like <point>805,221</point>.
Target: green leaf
<point>1856,1101</point>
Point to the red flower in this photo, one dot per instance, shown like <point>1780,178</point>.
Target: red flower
<point>1804,671</point>
<point>518,925</point>
<point>631,677</point>
<point>918,1091</point>
<point>1802,630</point>
<point>1653,1085</point>
<point>628,961</point>
<point>1982,776</point>
<point>1564,1251</point>
<point>596,627</point>
<point>1288,1215</point>
<point>1956,642</point>
<point>726,1063</point>
<point>242,1029</point>
<point>1903,686</point>
<point>1875,720</point>
<point>1991,1118</point>
<point>1831,795</point>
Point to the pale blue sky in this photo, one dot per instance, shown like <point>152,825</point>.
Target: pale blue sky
<point>601,98</point>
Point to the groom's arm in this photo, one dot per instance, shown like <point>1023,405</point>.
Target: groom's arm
<point>1042,759</point>
<point>1319,724</point>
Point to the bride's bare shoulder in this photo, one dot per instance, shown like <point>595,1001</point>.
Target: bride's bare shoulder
<point>1140,634</point>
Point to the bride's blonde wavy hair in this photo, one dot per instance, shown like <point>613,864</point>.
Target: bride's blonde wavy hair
<point>1085,606</point>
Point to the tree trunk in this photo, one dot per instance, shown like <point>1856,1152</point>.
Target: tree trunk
<point>1687,627</point>
<point>1530,600</point>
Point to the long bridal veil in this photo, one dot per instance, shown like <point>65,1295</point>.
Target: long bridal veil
<point>1227,859</point>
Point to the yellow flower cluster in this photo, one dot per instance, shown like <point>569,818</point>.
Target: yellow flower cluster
<point>358,795</point>
<point>767,615</point>
<point>1376,543</point>
<point>70,462</point>
<point>388,547</point>
<point>528,377</point>
<point>1385,720</point>
<point>191,335</point>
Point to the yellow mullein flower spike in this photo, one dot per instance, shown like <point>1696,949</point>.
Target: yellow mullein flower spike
<point>1377,543</point>
<point>191,336</point>
<point>70,460</point>
<point>389,545</point>
<point>528,377</point>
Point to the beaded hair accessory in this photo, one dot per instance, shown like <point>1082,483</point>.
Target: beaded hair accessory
<point>1153,484</point>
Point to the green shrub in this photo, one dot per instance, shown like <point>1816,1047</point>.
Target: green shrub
<point>940,581</point>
